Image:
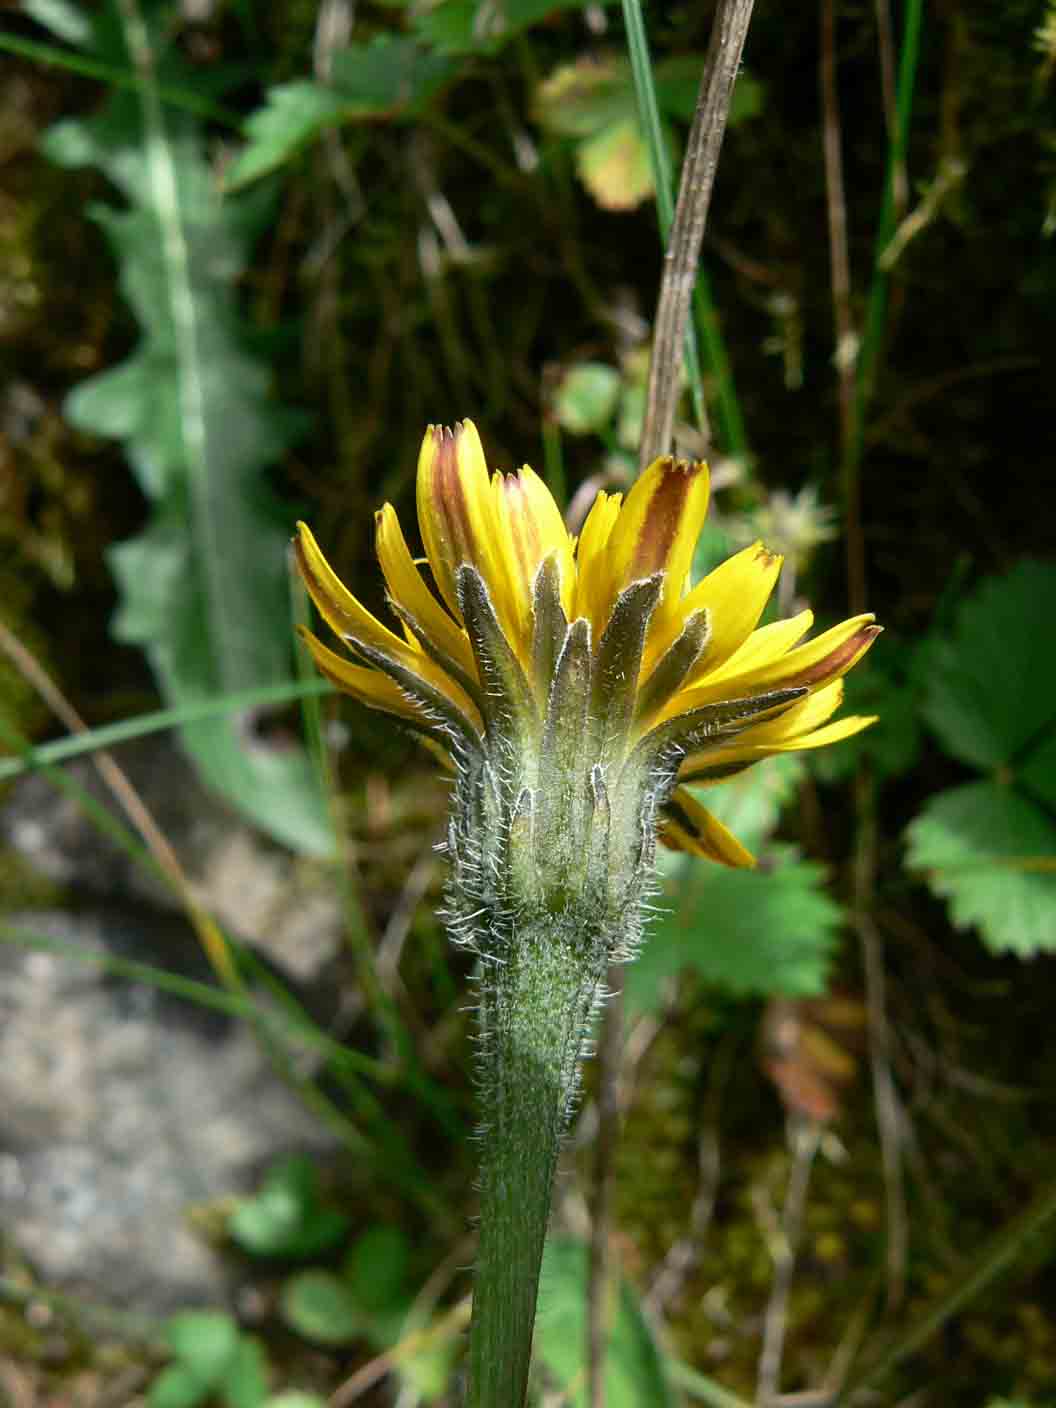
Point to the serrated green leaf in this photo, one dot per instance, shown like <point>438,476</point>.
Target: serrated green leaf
<point>322,1307</point>
<point>203,588</point>
<point>751,932</point>
<point>205,1342</point>
<point>388,77</point>
<point>293,115</point>
<point>586,398</point>
<point>992,683</point>
<point>294,1398</point>
<point>992,854</point>
<point>634,1373</point>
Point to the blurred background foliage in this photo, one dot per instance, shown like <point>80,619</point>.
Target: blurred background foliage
<point>247,253</point>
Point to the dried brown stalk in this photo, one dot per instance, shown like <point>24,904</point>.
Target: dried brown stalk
<point>691,214</point>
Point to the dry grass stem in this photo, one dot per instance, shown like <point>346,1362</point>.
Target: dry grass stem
<point>691,214</point>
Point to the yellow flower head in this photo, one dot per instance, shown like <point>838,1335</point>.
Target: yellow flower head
<point>575,686</point>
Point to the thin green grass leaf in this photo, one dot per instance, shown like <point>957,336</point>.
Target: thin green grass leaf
<point>108,735</point>
<point>706,323</point>
<point>700,1388</point>
<point>116,77</point>
<point>283,1040</point>
<point>876,311</point>
<point>1012,1242</point>
<point>301,1032</point>
<point>660,165</point>
<point>357,931</point>
<point>98,815</point>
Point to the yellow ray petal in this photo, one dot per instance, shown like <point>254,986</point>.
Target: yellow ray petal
<point>367,685</point>
<point>813,665</point>
<point>688,826</point>
<point>825,658</point>
<point>735,595</point>
<point>532,528</point>
<point>803,717</point>
<point>808,714</point>
<point>456,515</point>
<point>351,620</point>
<point>767,643</point>
<point>338,607</point>
<point>407,588</point>
<point>766,739</point>
<point>657,531</point>
<point>728,681</point>
<point>835,732</point>
<point>592,566</point>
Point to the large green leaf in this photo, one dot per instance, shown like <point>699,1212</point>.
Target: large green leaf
<point>769,930</point>
<point>634,1374</point>
<point>991,687</point>
<point>992,854</point>
<point>748,931</point>
<point>203,588</point>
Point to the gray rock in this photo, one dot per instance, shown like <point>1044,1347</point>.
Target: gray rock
<point>122,1107</point>
<point>283,904</point>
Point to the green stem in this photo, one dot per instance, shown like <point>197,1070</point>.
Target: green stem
<point>535,1011</point>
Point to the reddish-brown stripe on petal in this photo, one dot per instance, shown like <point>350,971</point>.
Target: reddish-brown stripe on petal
<point>836,662</point>
<point>662,517</point>
<point>449,494</point>
<point>524,529</point>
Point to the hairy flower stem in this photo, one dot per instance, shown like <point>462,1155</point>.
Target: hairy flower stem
<point>535,1013</point>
